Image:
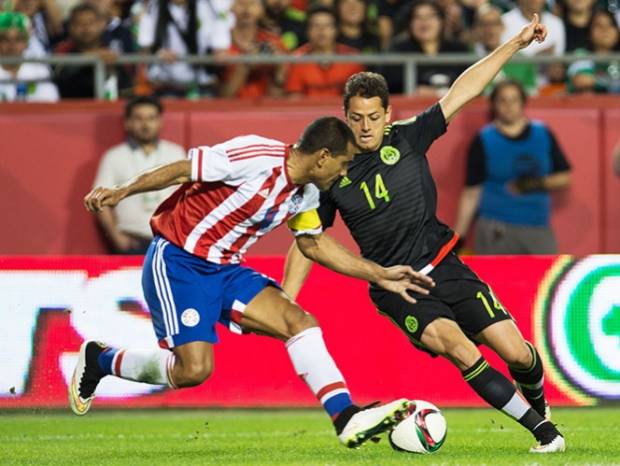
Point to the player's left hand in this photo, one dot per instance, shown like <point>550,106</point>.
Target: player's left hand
<point>533,31</point>
<point>100,197</point>
<point>401,278</point>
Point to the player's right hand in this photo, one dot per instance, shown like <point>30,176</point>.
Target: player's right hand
<point>401,279</point>
<point>100,197</point>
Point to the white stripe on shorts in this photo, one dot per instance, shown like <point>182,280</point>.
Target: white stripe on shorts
<point>173,308</point>
<point>154,266</point>
<point>163,290</point>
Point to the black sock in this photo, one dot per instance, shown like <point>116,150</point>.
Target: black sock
<point>344,416</point>
<point>530,381</point>
<point>497,390</point>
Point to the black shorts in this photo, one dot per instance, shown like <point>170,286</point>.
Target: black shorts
<point>458,295</point>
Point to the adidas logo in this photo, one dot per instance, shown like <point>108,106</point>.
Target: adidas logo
<point>344,182</point>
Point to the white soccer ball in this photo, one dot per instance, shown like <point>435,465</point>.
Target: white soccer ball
<point>423,430</point>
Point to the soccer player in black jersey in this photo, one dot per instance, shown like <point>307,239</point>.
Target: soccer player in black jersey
<point>388,201</point>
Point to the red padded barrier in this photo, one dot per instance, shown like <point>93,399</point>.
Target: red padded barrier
<point>50,154</point>
<point>611,182</point>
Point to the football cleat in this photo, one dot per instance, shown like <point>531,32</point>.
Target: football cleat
<point>556,445</point>
<point>370,422</point>
<point>86,376</point>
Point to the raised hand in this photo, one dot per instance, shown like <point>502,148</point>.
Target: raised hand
<point>533,31</point>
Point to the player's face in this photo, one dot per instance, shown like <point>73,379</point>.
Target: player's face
<point>508,105</point>
<point>367,118</point>
<point>144,124</point>
<point>330,167</point>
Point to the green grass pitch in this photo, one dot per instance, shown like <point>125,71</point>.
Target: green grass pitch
<point>291,437</point>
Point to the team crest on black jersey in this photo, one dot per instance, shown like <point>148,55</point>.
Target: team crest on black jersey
<point>295,203</point>
<point>389,155</point>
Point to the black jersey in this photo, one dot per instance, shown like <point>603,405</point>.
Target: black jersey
<point>388,199</point>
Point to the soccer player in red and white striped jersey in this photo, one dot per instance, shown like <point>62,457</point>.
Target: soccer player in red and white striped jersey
<point>231,194</point>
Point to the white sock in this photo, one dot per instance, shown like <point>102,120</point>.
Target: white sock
<point>314,364</point>
<point>148,366</point>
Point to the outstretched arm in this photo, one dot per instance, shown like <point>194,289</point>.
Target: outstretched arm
<point>152,180</point>
<point>331,254</point>
<point>475,78</point>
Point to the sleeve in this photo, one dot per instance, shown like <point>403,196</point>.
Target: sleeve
<point>307,220</point>
<point>421,130</point>
<point>559,163</point>
<point>105,175</point>
<point>476,166</point>
<point>327,210</point>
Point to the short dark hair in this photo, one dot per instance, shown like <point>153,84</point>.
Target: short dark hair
<point>366,84</point>
<point>142,100</point>
<point>429,3</point>
<point>315,10</point>
<point>508,83</point>
<point>84,8</point>
<point>329,133</point>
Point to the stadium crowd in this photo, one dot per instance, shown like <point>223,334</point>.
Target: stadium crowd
<point>174,28</point>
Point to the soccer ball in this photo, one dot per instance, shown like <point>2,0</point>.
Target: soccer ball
<point>423,430</point>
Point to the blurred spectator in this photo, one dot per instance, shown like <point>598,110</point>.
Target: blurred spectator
<point>47,25</point>
<point>425,35</point>
<point>354,28</point>
<point>518,17</point>
<point>249,38</point>
<point>27,81</point>
<point>321,79</point>
<point>453,23</point>
<point>86,28</point>
<point>512,165</point>
<point>585,75</point>
<point>389,12</point>
<point>117,34</point>
<point>487,32</point>
<point>577,15</point>
<point>616,158</point>
<point>173,28</point>
<point>283,19</point>
<point>127,225</point>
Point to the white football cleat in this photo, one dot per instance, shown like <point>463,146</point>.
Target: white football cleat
<point>557,445</point>
<point>368,423</point>
<point>86,376</point>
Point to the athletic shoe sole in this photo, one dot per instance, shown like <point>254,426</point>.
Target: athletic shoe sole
<point>78,405</point>
<point>397,411</point>
<point>557,445</point>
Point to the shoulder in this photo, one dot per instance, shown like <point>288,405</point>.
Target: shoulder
<point>116,152</point>
<point>551,20</point>
<point>303,50</point>
<point>34,71</point>
<point>172,147</point>
<point>251,141</point>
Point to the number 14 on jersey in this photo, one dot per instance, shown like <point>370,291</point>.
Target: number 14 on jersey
<point>380,191</point>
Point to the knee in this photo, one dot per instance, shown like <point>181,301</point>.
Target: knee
<point>451,344</point>
<point>519,357</point>
<point>193,374</point>
<point>299,321</point>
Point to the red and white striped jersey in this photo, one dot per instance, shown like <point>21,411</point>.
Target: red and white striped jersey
<point>240,190</point>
